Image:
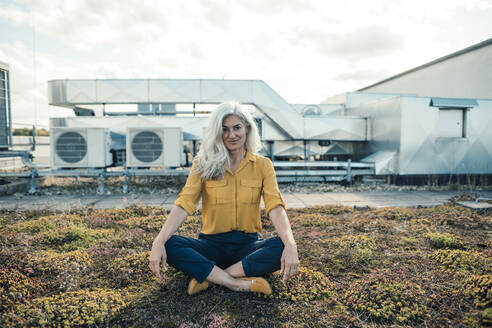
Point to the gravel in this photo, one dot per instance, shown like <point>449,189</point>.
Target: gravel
<point>168,185</point>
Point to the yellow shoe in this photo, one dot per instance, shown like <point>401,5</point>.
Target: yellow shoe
<point>194,287</point>
<point>259,285</point>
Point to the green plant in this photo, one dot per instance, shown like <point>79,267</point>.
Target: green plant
<point>479,288</point>
<point>402,302</point>
<point>70,238</point>
<point>130,269</point>
<point>327,209</point>
<point>62,271</point>
<point>314,220</point>
<point>395,213</point>
<point>82,308</point>
<point>307,286</point>
<point>358,250</point>
<point>458,260</point>
<point>444,240</point>
<point>15,288</point>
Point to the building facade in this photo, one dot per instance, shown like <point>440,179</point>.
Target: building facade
<point>5,113</point>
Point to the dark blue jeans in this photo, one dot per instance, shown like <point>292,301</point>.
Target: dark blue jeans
<point>197,257</point>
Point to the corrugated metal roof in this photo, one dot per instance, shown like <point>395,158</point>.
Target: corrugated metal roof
<point>453,102</point>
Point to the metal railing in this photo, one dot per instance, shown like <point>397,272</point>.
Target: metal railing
<point>322,171</point>
<point>285,171</point>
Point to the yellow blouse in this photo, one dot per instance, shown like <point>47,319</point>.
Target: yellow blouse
<point>233,202</point>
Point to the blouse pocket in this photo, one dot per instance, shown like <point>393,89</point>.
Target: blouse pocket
<point>217,191</point>
<point>249,191</point>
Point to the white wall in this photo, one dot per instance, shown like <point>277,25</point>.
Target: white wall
<point>424,151</point>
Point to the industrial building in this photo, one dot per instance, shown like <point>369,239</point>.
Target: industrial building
<point>463,74</point>
<point>431,120</point>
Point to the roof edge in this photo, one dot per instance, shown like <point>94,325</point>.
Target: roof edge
<point>438,60</point>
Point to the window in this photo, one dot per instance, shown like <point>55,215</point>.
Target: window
<point>452,123</point>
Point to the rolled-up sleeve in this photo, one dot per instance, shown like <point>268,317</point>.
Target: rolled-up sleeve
<point>271,194</point>
<point>190,194</point>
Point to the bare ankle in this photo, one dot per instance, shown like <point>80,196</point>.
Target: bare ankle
<point>240,285</point>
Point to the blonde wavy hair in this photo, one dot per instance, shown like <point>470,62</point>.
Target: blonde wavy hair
<point>213,157</point>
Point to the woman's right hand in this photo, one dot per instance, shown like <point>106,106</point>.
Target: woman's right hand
<point>158,255</point>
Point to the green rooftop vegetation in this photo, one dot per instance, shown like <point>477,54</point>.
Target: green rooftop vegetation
<point>399,267</point>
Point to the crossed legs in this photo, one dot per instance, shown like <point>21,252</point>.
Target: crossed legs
<point>197,257</point>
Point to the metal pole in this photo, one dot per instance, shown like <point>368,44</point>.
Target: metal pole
<point>100,188</point>
<point>305,151</point>
<point>34,184</point>
<point>349,170</point>
<point>7,75</point>
<point>270,149</point>
<point>125,185</point>
<point>33,137</point>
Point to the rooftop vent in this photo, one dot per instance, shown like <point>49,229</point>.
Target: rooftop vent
<point>71,147</point>
<point>154,147</point>
<point>147,146</point>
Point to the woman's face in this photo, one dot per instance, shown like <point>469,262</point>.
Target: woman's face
<point>234,133</point>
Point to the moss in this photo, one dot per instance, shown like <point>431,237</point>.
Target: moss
<point>314,220</point>
<point>62,271</point>
<point>150,223</point>
<point>71,238</point>
<point>395,213</point>
<point>81,308</point>
<point>459,260</point>
<point>46,223</point>
<point>486,317</point>
<point>455,216</point>
<point>409,242</point>
<point>130,269</point>
<point>444,240</point>
<point>307,286</point>
<point>401,302</point>
<point>105,217</point>
<point>358,250</point>
<point>63,232</point>
<point>328,209</point>
<point>367,253</point>
<point>479,289</point>
<point>15,288</point>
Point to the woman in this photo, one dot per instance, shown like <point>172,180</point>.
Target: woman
<point>230,178</point>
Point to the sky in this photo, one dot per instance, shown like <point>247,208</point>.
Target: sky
<point>306,50</point>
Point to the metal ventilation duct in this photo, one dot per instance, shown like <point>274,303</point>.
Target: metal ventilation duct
<point>67,93</point>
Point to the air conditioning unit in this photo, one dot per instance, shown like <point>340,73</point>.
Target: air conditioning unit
<point>80,147</point>
<point>154,147</point>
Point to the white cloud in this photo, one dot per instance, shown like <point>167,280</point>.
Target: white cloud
<point>305,50</point>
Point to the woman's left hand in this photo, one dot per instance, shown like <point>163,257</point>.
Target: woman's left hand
<point>289,263</point>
